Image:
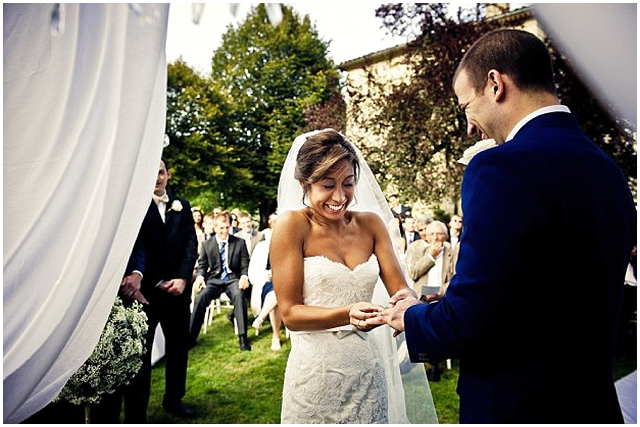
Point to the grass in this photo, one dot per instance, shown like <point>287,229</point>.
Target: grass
<point>229,386</point>
<point>226,385</point>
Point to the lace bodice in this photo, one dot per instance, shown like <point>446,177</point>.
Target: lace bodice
<point>331,284</point>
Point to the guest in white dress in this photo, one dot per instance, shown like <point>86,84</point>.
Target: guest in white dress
<point>326,260</point>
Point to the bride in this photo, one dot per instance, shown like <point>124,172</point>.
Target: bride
<point>331,247</point>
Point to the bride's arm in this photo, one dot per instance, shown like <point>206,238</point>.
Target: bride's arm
<point>287,264</point>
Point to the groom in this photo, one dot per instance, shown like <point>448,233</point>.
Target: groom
<point>532,318</point>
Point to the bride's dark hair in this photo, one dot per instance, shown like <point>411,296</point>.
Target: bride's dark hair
<point>320,152</point>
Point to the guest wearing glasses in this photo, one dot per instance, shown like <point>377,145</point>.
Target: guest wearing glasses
<point>430,262</point>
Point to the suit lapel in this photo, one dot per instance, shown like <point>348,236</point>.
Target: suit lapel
<point>168,213</point>
<point>171,214</point>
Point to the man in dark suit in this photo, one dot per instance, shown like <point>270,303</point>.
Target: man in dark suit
<point>223,266</point>
<point>399,210</point>
<point>170,245</point>
<point>532,318</point>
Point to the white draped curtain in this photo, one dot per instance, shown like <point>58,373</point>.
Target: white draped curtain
<point>84,116</point>
<point>84,113</point>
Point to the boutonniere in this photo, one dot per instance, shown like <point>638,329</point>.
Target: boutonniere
<point>176,206</point>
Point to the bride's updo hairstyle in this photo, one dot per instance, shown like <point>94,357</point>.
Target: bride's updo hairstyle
<point>320,152</point>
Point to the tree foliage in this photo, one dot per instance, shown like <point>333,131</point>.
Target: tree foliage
<point>230,131</point>
<point>272,77</point>
<point>422,131</point>
<point>205,165</point>
<point>615,136</point>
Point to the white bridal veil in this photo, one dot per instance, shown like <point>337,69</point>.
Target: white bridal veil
<point>409,391</point>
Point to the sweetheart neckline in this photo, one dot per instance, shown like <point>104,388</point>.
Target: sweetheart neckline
<point>342,264</point>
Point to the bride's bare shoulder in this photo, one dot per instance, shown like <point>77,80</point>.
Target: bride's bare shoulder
<point>369,219</point>
<point>293,221</point>
<point>295,217</point>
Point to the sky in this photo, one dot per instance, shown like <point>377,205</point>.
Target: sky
<point>352,28</point>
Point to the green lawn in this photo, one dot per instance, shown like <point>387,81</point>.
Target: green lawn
<point>227,386</point>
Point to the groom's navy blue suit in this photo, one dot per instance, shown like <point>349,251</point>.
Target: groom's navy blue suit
<point>532,312</point>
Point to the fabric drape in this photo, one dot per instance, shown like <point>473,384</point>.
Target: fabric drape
<point>84,116</point>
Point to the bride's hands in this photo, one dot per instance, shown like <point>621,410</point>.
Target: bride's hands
<point>366,316</point>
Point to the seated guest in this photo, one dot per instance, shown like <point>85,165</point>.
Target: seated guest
<point>222,267</point>
<point>263,298</point>
<point>430,261</point>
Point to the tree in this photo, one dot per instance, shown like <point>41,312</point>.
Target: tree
<point>205,166</point>
<point>422,131</point>
<point>271,76</point>
<point>615,136</point>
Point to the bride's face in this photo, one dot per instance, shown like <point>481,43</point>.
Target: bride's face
<point>331,195</point>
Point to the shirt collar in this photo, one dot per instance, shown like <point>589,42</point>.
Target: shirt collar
<point>531,116</point>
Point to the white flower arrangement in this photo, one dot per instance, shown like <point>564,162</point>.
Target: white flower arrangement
<point>176,206</point>
<point>115,360</point>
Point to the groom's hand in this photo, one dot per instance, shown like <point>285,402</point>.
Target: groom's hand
<point>402,294</point>
<point>394,315</point>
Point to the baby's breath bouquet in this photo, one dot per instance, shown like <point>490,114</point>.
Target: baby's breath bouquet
<point>115,360</point>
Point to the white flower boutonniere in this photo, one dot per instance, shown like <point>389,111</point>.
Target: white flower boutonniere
<point>176,206</point>
<point>479,146</point>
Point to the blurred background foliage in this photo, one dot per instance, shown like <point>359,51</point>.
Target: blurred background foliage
<point>230,130</point>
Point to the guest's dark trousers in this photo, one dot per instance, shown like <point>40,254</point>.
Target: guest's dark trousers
<point>212,292</point>
<point>172,313</point>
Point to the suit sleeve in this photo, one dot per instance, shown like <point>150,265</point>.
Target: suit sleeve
<point>203,261</point>
<point>137,258</point>
<point>244,261</point>
<point>418,264</point>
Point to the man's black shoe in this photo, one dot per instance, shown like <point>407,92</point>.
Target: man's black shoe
<point>179,409</point>
<point>244,343</point>
<point>433,374</point>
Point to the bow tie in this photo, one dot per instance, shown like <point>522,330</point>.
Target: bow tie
<point>163,198</point>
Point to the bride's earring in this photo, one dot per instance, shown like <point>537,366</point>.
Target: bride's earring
<point>304,199</point>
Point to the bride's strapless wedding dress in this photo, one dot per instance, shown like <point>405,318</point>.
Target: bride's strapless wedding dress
<point>337,375</point>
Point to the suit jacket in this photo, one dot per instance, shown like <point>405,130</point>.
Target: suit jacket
<point>405,211</point>
<point>256,236</point>
<point>136,258</point>
<point>419,263</point>
<point>535,347</point>
<point>415,237</point>
<point>210,263</point>
<point>170,247</point>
